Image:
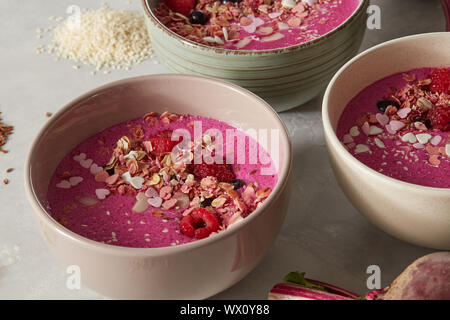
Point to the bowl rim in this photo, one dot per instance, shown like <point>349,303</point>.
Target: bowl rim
<point>149,13</point>
<point>330,133</point>
<point>285,168</point>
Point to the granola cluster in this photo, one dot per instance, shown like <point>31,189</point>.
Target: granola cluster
<point>257,19</point>
<point>143,168</point>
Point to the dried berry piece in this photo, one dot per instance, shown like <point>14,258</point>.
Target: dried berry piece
<point>383,104</point>
<point>198,17</point>
<point>199,224</point>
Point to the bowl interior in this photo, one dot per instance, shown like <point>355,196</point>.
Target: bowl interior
<point>132,98</point>
<point>425,50</point>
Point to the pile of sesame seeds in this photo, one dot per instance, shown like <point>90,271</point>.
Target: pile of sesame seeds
<point>103,38</point>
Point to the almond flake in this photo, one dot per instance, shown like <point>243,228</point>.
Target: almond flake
<point>155,179</point>
<point>218,202</point>
<point>274,37</point>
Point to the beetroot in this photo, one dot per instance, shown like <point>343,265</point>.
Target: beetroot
<point>427,278</point>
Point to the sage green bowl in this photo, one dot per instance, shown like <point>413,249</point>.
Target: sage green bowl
<point>285,77</point>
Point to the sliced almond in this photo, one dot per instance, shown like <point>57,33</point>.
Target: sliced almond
<point>264,31</point>
<point>124,144</point>
<point>283,26</point>
<point>243,42</point>
<point>263,193</point>
<point>111,163</point>
<point>274,37</point>
<point>88,201</point>
<point>218,202</point>
<point>182,200</point>
<point>155,179</point>
<point>424,103</point>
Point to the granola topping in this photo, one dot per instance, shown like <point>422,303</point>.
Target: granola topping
<point>147,180</point>
<point>406,133</point>
<point>253,24</point>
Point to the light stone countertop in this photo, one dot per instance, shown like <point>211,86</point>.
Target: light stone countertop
<point>323,234</point>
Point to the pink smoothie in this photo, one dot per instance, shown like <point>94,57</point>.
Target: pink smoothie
<point>107,216</point>
<point>258,24</point>
<point>399,142</point>
<point>329,16</point>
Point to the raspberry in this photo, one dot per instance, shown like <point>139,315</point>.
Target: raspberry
<point>440,81</point>
<point>199,224</point>
<point>440,118</point>
<point>223,172</point>
<point>162,145</point>
<point>181,6</point>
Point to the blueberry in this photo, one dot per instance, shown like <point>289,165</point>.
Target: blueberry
<point>226,1</point>
<point>198,17</point>
<point>383,104</point>
<point>110,171</point>
<point>206,203</point>
<point>237,183</point>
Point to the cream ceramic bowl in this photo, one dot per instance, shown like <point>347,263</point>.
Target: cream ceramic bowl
<point>285,78</point>
<point>413,213</point>
<point>192,271</point>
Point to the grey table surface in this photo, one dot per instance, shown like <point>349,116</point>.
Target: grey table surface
<point>323,234</point>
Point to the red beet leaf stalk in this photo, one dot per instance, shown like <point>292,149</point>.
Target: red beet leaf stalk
<point>427,278</point>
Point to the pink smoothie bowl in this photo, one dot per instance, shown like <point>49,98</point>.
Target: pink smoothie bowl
<point>416,214</point>
<point>285,77</point>
<point>195,270</point>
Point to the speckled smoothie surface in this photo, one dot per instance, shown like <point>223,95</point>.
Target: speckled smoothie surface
<point>399,141</point>
<point>97,211</point>
<point>258,24</point>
